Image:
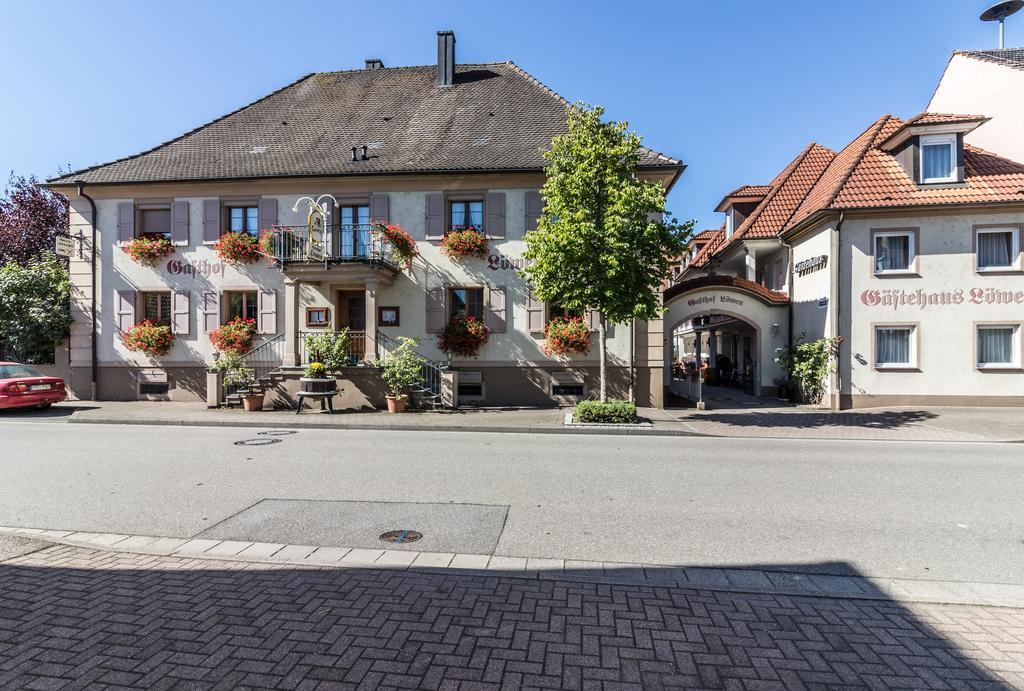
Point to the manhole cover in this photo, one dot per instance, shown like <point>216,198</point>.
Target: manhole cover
<point>400,537</point>
<point>278,432</point>
<point>257,442</point>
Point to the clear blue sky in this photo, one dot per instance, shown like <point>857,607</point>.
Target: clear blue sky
<point>734,89</point>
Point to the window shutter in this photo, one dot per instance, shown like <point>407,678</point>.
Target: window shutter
<point>179,312</point>
<point>534,313</point>
<point>435,310</point>
<point>435,216</point>
<point>211,220</point>
<point>266,323</point>
<point>125,309</point>
<point>534,209</point>
<point>268,212</point>
<point>179,223</point>
<point>495,223</point>
<point>593,320</point>
<point>655,216</point>
<point>380,207</point>
<point>496,310</point>
<point>125,221</point>
<point>211,310</point>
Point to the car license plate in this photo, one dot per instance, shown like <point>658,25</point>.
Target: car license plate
<point>39,387</point>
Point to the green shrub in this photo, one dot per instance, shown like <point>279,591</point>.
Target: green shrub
<point>329,348</point>
<point>609,412</point>
<point>401,368</point>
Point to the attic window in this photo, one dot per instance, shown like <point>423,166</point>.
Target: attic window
<point>938,158</point>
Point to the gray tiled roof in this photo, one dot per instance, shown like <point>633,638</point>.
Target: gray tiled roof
<point>495,117</point>
<point>1012,57</point>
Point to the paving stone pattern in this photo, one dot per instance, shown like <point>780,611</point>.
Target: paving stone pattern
<point>75,617</point>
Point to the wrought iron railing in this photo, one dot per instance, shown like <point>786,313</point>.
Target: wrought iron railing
<point>431,377</point>
<point>261,361</point>
<point>344,243</point>
<point>356,347</point>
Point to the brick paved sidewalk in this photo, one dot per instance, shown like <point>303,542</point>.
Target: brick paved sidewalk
<point>74,617</point>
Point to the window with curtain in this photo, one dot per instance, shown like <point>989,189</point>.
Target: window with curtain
<point>156,307</point>
<point>355,230</point>
<point>468,214</point>
<point>894,252</point>
<point>894,346</point>
<point>244,219</point>
<point>997,249</point>
<point>155,222</point>
<point>938,158</point>
<point>241,303</point>
<point>998,346</point>
<point>466,302</point>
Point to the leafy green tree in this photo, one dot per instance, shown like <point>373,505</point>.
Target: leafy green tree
<point>601,242</point>
<point>35,307</point>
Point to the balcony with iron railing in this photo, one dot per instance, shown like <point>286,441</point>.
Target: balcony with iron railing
<point>341,244</point>
<point>357,351</point>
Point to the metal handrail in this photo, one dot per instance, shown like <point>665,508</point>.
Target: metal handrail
<point>431,377</point>
<point>356,346</point>
<point>340,243</point>
<point>263,360</point>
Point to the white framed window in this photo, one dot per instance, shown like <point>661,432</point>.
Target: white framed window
<point>997,249</point>
<point>730,222</point>
<point>894,251</point>
<point>895,346</point>
<point>998,346</point>
<point>938,158</point>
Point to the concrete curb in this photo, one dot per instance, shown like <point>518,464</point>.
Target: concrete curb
<point>280,424</point>
<point>755,581</point>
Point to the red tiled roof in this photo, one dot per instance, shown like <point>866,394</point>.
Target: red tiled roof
<point>750,191</point>
<point>941,119</point>
<point>1008,57</point>
<point>769,297</point>
<point>715,240</point>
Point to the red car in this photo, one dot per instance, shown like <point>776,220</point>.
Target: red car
<point>23,386</point>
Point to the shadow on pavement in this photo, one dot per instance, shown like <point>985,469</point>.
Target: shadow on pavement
<point>56,412</point>
<point>815,420</point>
<point>75,616</point>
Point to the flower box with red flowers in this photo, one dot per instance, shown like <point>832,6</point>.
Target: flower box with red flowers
<point>463,336</point>
<point>148,249</point>
<point>149,338</point>
<point>402,243</point>
<point>565,335</point>
<point>238,247</point>
<point>235,336</point>
<point>464,241</point>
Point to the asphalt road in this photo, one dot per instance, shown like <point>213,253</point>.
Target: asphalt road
<point>914,510</point>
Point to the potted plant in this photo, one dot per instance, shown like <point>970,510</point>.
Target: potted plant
<point>401,242</point>
<point>564,335</point>
<point>400,370</point>
<point>238,247</point>
<point>234,337</point>
<point>463,336</point>
<point>242,379</point>
<point>464,241</point>
<point>148,249</point>
<point>149,338</point>
<point>315,380</point>
<point>330,348</point>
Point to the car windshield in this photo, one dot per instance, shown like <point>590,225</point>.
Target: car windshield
<point>17,371</point>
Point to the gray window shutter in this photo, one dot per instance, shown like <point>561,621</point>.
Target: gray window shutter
<point>495,223</point>
<point>435,310</point>
<point>266,323</point>
<point>268,212</point>
<point>179,312</point>
<point>211,310</point>
<point>593,320</point>
<point>125,309</point>
<point>125,221</point>
<point>211,220</point>
<point>656,216</point>
<point>495,320</point>
<point>379,207</point>
<point>435,215</point>
<point>534,209</point>
<point>179,223</point>
<point>534,313</point>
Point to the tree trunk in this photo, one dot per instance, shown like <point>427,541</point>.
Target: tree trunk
<point>602,347</point>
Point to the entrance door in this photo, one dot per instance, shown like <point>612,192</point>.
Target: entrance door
<point>352,314</point>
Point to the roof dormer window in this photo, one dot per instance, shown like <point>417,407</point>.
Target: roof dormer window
<point>938,158</point>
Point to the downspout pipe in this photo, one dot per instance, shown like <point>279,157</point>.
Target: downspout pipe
<point>92,300</point>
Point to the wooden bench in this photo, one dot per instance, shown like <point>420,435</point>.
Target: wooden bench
<point>322,396</point>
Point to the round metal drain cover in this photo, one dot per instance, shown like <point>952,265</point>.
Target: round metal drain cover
<point>257,442</point>
<point>278,432</point>
<point>401,537</point>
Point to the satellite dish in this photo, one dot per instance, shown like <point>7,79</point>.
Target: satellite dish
<point>1000,11</point>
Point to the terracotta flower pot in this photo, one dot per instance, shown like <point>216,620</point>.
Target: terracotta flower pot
<point>396,404</point>
<point>252,402</point>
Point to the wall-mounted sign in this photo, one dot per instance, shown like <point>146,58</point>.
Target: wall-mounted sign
<point>204,268</point>
<point>811,265</point>
<point>714,299</point>
<point>64,245</point>
<point>387,316</point>
<point>921,298</point>
<point>504,263</point>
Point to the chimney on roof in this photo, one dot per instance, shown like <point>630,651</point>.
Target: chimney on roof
<point>374,64</point>
<point>445,58</point>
